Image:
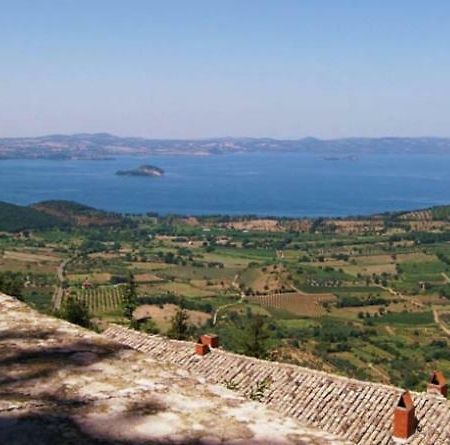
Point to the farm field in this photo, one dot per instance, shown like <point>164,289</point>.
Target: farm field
<point>162,315</point>
<point>364,298</point>
<point>102,299</point>
<point>303,305</point>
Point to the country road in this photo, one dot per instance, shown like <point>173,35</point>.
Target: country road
<point>403,297</point>
<point>446,277</point>
<point>226,306</point>
<point>59,291</point>
<point>439,322</point>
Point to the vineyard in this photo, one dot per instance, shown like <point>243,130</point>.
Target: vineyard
<point>101,299</point>
<point>296,303</point>
<point>420,215</point>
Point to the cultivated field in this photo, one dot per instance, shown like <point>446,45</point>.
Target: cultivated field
<point>366,297</point>
<point>303,305</point>
<point>101,299</point>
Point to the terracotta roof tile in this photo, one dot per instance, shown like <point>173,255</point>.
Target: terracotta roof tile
<point>359,411</point>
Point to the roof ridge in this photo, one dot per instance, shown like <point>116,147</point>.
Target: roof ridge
<point>355,410</point>
<point>262,361</point>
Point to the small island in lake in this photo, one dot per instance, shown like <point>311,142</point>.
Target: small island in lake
<point>143,170</point>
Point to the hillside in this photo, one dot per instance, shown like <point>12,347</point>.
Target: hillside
<point>437,213</point>
<point>14,218</point>
<point>78,214</point>
<point>50,214</point>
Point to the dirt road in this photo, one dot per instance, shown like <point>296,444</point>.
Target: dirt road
<point>59,291</point>
<point>439,322</point>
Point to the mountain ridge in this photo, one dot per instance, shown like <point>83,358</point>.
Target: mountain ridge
<point>105,146</point>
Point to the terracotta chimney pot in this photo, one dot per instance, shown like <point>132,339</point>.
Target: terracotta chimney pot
<point>437,384</point>
<point>210,340</point>
<point>201,349</point>
<point>405,421</point>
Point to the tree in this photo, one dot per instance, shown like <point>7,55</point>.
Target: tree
<point>129,302</point>
<point>254,337</point>
<point>179,328</point>
<point>148,326</point>
<point>12,283</point>
<point>76,312</point>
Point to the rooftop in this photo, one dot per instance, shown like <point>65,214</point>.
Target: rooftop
<point>353,410</point>
<point>62,384</point>
<point>125,387</point>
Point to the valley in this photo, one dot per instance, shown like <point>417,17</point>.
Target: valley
<point>364,297</point>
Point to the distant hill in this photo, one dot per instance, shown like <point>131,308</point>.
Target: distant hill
<point>14,218</point>
<point>104,146</point>
<point>62,214</point>
<point>438,213</point>
<point>51,214</point>
<point>78,214</point>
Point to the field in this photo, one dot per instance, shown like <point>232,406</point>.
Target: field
<point>368,298</point>
<point>103,299</point>
<point>303,305</point>
<point>162,315</point>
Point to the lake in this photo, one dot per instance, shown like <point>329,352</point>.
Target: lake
<point>286,184</point>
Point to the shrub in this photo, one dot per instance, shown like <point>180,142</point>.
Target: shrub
<point>76,312</point>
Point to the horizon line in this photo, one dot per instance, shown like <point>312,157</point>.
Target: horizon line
<point>205,138</point>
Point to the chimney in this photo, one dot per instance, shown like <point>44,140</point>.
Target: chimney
<point>205,343</point>
<point>211,340</point>
<point>405,421</point>
<point>201,349</point>
<point>437,384</point>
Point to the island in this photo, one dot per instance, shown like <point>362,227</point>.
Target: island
<point>143,170</point>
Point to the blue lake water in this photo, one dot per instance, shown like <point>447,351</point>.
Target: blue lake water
<point>265,184</point>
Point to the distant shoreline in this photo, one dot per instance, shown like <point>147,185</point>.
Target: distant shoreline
<point>103,146</point>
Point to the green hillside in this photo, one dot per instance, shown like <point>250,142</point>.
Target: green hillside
<point>14,218</point>
<point>441,213</point>
<point>77,214</point>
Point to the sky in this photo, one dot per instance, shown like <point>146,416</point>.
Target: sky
<point>210,68</point>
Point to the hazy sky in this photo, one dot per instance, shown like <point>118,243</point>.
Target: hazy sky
<point>199,68</point>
